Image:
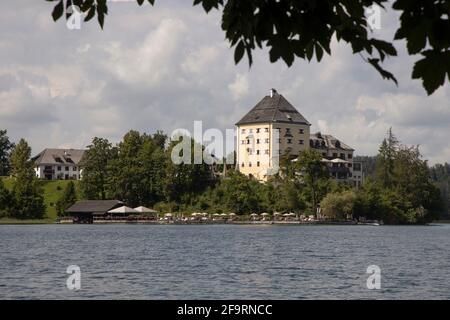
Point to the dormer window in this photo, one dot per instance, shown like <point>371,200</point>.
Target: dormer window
<point>242,130</point>
<point>301,131</point>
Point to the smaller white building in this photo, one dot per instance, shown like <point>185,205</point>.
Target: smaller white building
<point>58,164</point>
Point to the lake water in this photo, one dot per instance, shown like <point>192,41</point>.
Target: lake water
<point>224,261</point>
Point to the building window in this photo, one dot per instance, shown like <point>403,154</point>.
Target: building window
<point>257,164</point>
<point>288,130</point>
<point>279,152</point>
<point>74,168</point>
<point>334,155</point>
<point>324,154</point>
<point>266,129</point>
<point>257,151</point>
<point>343,156</point>
<point>249,151</point>
<point>266,140</point>
<point>279,140</point>
<point>266,151</point>
<point>257,130</point>
<point>250,130</point>
<point>257,141</point>
<point>300,142</point>
<point>349,165</point>
<point>67,168</point>
<point>349,156</point>
<point>289,141</point>
<point>248,141</point>
<point>249,164</point>
<point>58,168</point>
<point>301,131</point>
<point>243,131</point>
<point>242,165</point>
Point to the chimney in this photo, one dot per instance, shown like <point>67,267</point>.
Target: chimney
<point>272,92</point>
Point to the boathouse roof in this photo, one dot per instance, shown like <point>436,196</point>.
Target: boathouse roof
<point>94,206</point>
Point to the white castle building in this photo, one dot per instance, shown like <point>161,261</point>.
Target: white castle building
<point>274,127</point>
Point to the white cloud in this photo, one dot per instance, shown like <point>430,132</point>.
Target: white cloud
<point>163,67</point>
<point>239,88</point>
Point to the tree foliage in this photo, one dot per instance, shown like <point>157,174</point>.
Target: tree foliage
<point>95,169</point>
<point>67,199</point>
<point>402,191</point>
<point>136,175</point>
<point>338,205</point>
<point>313,173</point>
<point>5,149</point>
<point>27,194</point>
<point>5,200</point>
<point>304,29</point>
<point>186,180</point>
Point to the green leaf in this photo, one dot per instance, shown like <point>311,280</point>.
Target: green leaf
<point>239,52</point>
<point>58,11</point>
<point>319,52</point>
<point>90,15</point>
<point>432,69</point>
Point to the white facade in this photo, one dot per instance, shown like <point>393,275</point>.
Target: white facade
<point>274,128</point>
<point>58,172</point>
<point>58,164</point>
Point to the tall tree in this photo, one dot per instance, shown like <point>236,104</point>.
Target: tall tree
<point>386,159</point>
<point>27,192</point>
<point>93,184</point>
<point>312,172</point>
<point>137,174</point>
<point>187,179</point>
<point>5,150</point>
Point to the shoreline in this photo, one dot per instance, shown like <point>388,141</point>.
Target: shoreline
<point>48,221</point>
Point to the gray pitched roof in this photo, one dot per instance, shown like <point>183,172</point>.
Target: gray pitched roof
<point>327,141</point>
<point>59,157</point>
<point>94,206</point>
<point>274,108</point>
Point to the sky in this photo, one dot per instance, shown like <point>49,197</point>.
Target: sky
<point>163,67</point>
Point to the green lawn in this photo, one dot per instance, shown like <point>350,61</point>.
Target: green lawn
<point>52,192</point>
